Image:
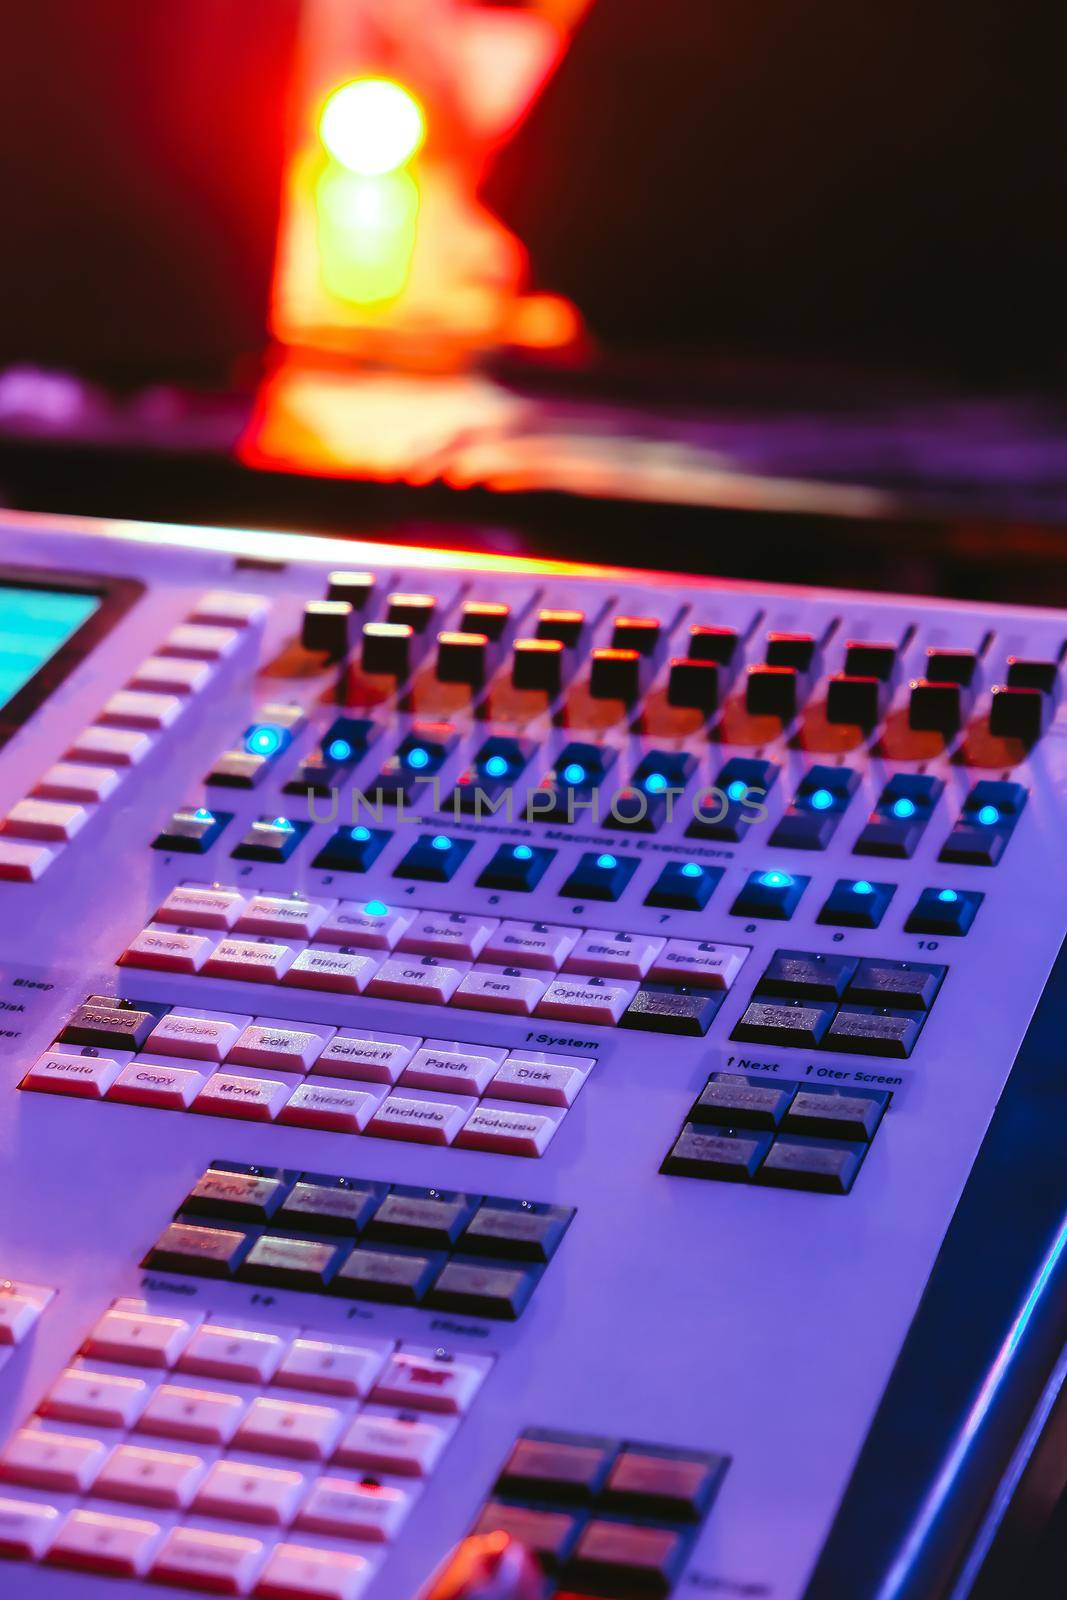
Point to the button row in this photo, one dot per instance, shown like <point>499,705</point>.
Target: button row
<point>604,1516</point>
<point>66,796</point>
<point>749,1129</point>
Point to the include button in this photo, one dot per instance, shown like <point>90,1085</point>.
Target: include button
<point>944,911</point>
<point>795,1162</point>
<point>423,1121</point>
<point>434,858</point>
<point>806,975</point>
<point>192,830</point>
<point>772,894</point>
<point>684,886</point>
<point>516,868</point>
<point>599,875</point>
<point>856,903</point>
<point>860,1030</point>
<point>672,1008</point>
<point>905,985</point>
<point>836,1113</point>
<point>729,1154</point>
<point>732,1100</point>
<point>791,1022</point>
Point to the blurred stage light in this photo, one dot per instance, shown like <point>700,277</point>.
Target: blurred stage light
<point>372,126</point>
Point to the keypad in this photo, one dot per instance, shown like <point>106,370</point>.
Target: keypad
<point>360,1239</point>
<point>744,1128</point>
<point>866,1006</point>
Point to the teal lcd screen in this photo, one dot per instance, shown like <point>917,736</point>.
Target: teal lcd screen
<point>34,625</point>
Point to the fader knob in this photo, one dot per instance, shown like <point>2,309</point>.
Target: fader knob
<point>537,664</point>
<point>328,627</point>
<point>1019,713</point>
<point>387,648</point>
<point>462,658</point>
<point>694,685</point>
<point>355,587</point>
<point>615,675</point>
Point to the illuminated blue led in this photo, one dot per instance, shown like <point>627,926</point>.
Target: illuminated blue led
<point>376,908</point>
<point>441,841</point>
<point>692,870</point>
<point>821,800</point>
<point>574,773</point>
<point>903,809</point>
<point>988,815</point>
<point>655,783</point>
<point>606,863</point>
<point>283,823</point>
<point>522,852</point>
<point>947,895</point>
<point>775,880</point>
<point>737,790</point>
<point>496,767</point>
<point>861,886</point>
<point>263,740</point>
<point>202,814</point>
<point>360,835</point>
<point>418,758</point>
<point>339,750</point>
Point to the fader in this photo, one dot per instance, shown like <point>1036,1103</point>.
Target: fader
<point>492,1044</point>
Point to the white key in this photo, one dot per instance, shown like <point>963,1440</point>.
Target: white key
<point>244,1355</point>
<point>452,1067</point>
<point>115,747</point>
<point>102,1399</point>
<point>355,923</point>
<point>333,970</point>
<point>253,963</point>
<point>17,1316</point>
<point>586,1000</point>
<point>133,708</point>
<point>320,1105</point>
<point>374,1060</point>
<point>613,955</point>
<point>60,1461</point>
<point>23,863</point>
<point>63,1072</point>
<point>513,992</point>
<point>52,820</point>
<point>448,934</point>
<point>415,979</point>
<point>152,1082</point>
<point>202,1416</point>
<point>198,906</point>
<point>291,917</point>
<point>402,1445</point>
<point>543,945</point>
<point>95,1542</point>
<point>418,1380</point>
<point>231,1095</point>
<point>194,641</point>
<point>163,950</point>
<point>138,1338</point>
<point>200,1038</point>
<point>284,1049</point>
<point>250,1494</point>
<point>150,1477</point>
<point>423,1121</point>
<point>287,1428</point>
<point>328,1368</point>
<point>508,1132</point>
<point>27,1528</point>
<point>73,780</point>
<point>231,609</point>
<point>712,966</point>
<point>542,1080</point>
<point>170,675</point>
<point>300,1572</point>
<point>373,1511</point>
<point>223,1563</point>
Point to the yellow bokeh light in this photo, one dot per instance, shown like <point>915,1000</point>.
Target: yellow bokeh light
<point>372,126</point>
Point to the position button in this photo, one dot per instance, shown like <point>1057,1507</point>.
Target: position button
<point>328,628</point>
<point>387,649</point>
<point>986,823</point>
<point>818,806</point>
<point>896,824</point>
<point>463,658</point>
<point>800,975</point>
<point>771,894</point>
<point>733,1101</point>
<point>944,911</point>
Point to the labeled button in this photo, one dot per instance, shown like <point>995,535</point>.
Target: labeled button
<point>314,1105</point>
<point>405,1445</point>
<point>873,1032</point>
<point>283,1263</point>
<point>373,1060</point>
<point>164,950</point>
<point>905,985</point>
<point>790,1022</point>
<point>703,963</point>
<point>672,1008</point>
<point>806,975</point>
<point>335,971</point>
<point>201,907</point>
<point>249,962</point>
<point>507,1131</point>
<point>431,1217</point>
<point>944,911</point>
<point>236,1194</point>
<point>543,945</point>
<point>188,1247</point>
<point>614,955</point>
<point>794,1162</point>
<point>371,925</point>
<point>480,1289</point>
<point>332,1367</point>
<point>271,839</point>
<point>370,1510</point>
<point>548,1465</point>
<point>448,934</point>
<point>631,1558</point>
<point>734,1101</point>
<point>71,1072</point>
<point>836,1113</point>
<point>594,1000</point>
<point>108,1027</point>
<point>518,1230</point>
<point>422,979</point>
<point>75,780</point>
<point>453,1068</point>
<point>650,1481</point>
<point>231,1095</point>
<point>600,876</point>
<point>193,1558</point>
<point>424,1121</point>
<point>396,1277</point>
<point>504,989</point>
<point>725,1153</point>
<point>202,1416</point>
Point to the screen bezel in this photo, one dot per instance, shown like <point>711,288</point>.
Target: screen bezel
<point>116,596</point>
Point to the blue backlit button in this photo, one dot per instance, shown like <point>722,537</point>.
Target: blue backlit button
<point>271,839</point>
<point>985,825</point>
<point>856,903</point>
<point>947,911</point>
<point>770,894</point>
<point>192,829</point>
<point>684,886</point>
<point>516,867</point>
<point>735,802</point>
<point>494,770</point>
<point>599,875</point>
<point>420,755</point>
<point>435,857</point>
<point>672,1008</point>
<point>896,824</point>
<point>820,801</point>
<point>344,743</point>
<point>352,849</point>
<point>577,773</point>
<point>657,781</point>
<point>795,1022</point>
